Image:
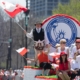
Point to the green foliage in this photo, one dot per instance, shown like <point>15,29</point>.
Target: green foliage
<point>3,64</point>
<point>72,8</point>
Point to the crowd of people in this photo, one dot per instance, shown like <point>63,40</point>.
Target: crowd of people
<point>67,63</point>
<point>68,66</point>
<point>68,60</point>
<point>11,74</point>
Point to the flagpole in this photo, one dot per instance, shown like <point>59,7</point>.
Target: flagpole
<point>20,26</point>
<point>24,57</point>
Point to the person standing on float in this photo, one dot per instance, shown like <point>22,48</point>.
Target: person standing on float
<point>37,34</point>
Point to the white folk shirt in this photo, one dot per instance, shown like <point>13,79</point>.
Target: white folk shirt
<point>65,50</point>
<point>30,35</point>
<point>74,64</point>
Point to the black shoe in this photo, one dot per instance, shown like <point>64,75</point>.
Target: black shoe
<point>35,64</point>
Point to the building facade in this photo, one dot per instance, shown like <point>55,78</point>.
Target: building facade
<point>43,8</point>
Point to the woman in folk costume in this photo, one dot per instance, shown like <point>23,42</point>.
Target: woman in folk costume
<point>42,57</point>
<point>38,35</point>
<point>64,67</point>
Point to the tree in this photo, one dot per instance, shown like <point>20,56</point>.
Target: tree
<point>72,8</point>
<point>18,38</point>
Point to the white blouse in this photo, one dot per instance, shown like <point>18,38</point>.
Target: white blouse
<point>74,64</point>
<point>74,50</point>
<point>65,50</point>
<point>30,35</point>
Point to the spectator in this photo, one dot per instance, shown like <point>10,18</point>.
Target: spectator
<point>9,74</point>
<point>1,74</point>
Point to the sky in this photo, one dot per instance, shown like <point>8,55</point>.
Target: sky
<point>22,2</point>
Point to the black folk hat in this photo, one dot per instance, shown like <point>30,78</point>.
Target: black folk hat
<point>38,23</point>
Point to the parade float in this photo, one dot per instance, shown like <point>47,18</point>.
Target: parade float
<point>30,72</point>
<point>56,27</point>
<point>33,73</point>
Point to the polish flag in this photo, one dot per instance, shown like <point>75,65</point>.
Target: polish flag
<point>11,9</point>
<point>22,51</point>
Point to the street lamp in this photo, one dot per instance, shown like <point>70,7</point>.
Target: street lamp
<point>9,59</point>
<point>8,62</point>
<point>26,24</point>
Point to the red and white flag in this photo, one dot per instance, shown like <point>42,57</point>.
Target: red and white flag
<point>12,9</point>
<point>22,51</point>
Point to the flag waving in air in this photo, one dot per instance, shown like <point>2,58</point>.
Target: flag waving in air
<point>22,51</point>
<point>12,9</point>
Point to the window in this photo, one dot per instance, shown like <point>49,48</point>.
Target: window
<point>50,0</point>
<point>49,12</point>
<point>55,0</point>
<point>64,0</point>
